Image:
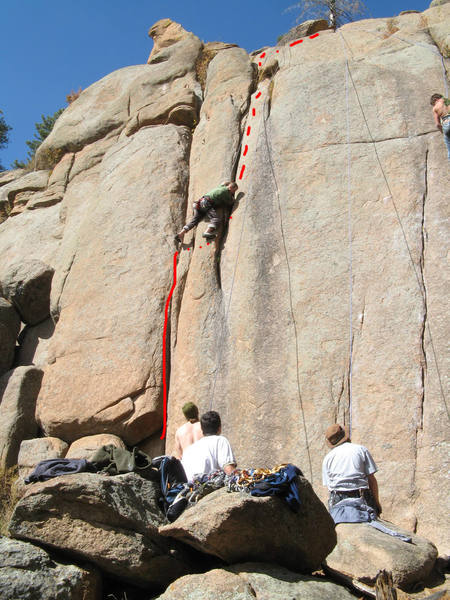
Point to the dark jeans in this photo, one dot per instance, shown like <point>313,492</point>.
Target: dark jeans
<point>366,494</point>
<point>205,209</point>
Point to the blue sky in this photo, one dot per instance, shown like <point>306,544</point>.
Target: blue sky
<point>50,47</point>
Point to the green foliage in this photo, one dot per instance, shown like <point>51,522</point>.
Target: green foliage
<point>8,497</point>
<point>337,12</point>
<point>43,129</point>
<point>4,135</point>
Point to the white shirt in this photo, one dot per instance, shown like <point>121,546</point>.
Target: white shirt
<point>347,466</point>
<point>208,454</point>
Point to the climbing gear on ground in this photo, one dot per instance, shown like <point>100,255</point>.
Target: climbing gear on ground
<point>54,467</point>
<point>171,474</point>
<point>114,461</point>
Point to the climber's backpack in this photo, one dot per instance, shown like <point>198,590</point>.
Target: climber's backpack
<point>171,475</point>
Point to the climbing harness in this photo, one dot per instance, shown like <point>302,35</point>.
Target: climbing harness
<point>391,197</point>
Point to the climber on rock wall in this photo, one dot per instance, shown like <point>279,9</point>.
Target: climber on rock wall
<point>441,113</point>
<point>348,470</point>
<point>188,433</point>
<point>206,206</point>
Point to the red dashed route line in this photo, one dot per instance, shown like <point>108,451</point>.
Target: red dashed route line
<point>258,95</point>
<point>174,283</point>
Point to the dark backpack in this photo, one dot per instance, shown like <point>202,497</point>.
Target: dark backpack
<point>171,478</point>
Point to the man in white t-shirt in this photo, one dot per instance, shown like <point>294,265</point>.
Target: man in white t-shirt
<point>348,470</point>
<point>211,452</point>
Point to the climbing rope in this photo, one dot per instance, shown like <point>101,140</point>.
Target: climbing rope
<point>391,196</point>
<point>277,194</point>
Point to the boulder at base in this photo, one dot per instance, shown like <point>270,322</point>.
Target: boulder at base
<point>362,551</point>
<point>29,573</point>
<point>109,521</point>
<point>33,451</point>
<point>26,284</point>
<point>254,580</point>
<point>86,446</point>
<point>236,526</point>
<point>9,330</point>
<point>19,389</point>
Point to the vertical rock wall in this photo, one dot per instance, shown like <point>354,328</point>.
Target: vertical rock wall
<point>272,324</point>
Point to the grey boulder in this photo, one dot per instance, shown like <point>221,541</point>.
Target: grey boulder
<point>29,573</point>
<point>254,580</point>
<point>110,521</point>
<point>236,526</point>
<point>362,551</point>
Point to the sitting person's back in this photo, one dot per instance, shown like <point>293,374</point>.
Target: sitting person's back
<point>188,433</point>
<point>211,452</point>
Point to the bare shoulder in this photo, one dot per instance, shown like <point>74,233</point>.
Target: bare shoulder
<point>181,429</point>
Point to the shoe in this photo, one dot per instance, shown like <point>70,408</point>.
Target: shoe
<point>177,240</point>
<point>209,235</point>
<point>176,508</point>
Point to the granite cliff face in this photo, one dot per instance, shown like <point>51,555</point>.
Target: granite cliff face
<point>282,325</point>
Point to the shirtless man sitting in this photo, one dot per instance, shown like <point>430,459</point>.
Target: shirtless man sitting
<point>188,433</point>
<point>441,114</point>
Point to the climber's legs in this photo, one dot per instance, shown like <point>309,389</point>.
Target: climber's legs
<point>214,221</point>
<point>198,215</point>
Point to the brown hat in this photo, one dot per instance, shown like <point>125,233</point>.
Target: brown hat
<point>337,435</point>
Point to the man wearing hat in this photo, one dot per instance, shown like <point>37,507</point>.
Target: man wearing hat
<point>348,470</point>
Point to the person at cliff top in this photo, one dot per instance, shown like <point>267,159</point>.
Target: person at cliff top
<point>206,207</point>
<point>441,114</point>
<point>348,470</point>
<point>211,452</point>
<point>188,433</point>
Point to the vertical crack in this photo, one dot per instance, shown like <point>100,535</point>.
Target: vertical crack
<point>244,111</point>
<point>69,170</point>
<point>348,412</point>
<point>424,296</point>
<point>56,311</point>
<point>337,403</point>
<point>420,406</point>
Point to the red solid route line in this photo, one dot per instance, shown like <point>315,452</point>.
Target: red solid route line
<point>166,312</point>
